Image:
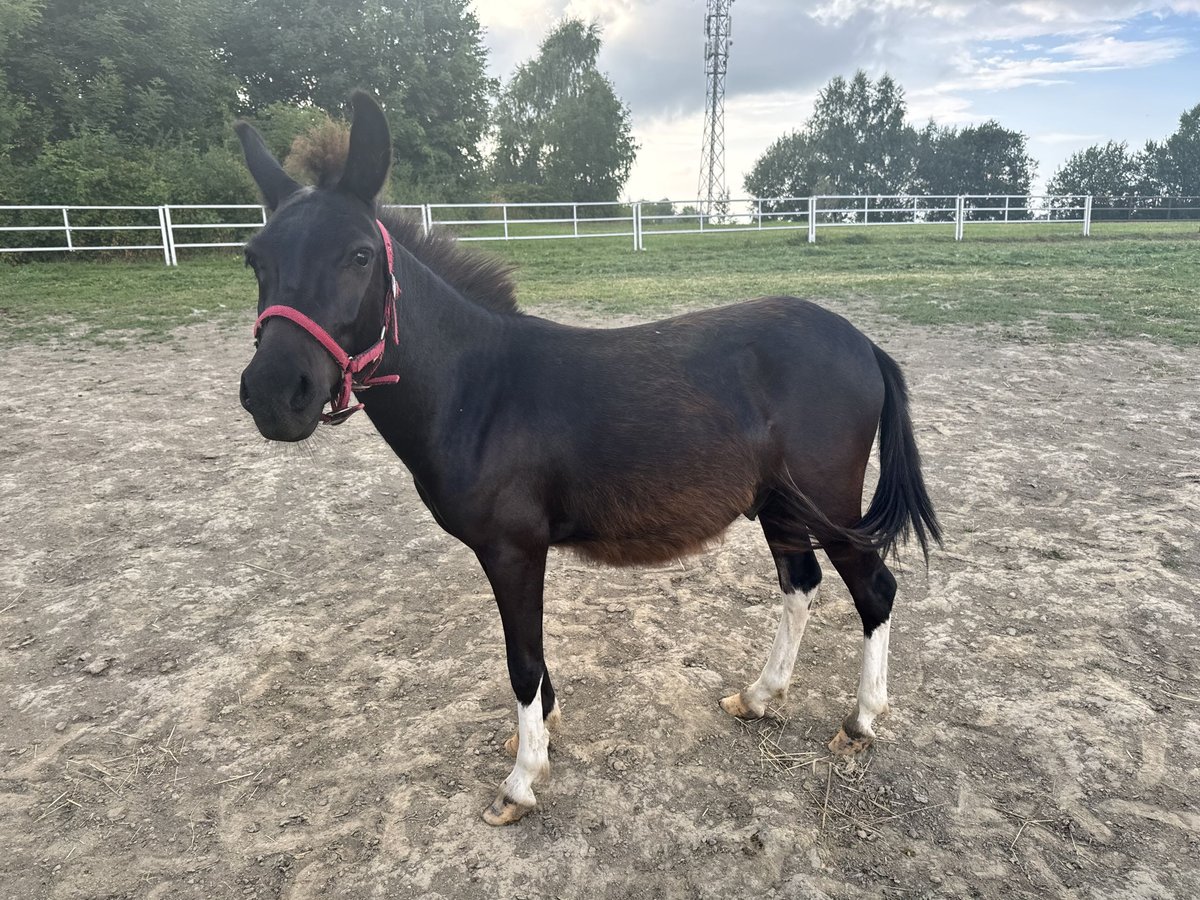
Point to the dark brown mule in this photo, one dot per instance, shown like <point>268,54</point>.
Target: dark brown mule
<point>629,446</point>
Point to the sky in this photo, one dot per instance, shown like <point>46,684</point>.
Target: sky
<point>1067,73</point>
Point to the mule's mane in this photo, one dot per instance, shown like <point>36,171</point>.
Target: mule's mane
<point>482,279</point>
<point>320,154</point>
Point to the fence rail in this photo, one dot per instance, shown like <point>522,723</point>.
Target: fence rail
<point>66,229</point>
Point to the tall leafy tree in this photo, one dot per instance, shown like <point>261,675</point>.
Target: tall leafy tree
<point>856,142</point>
<point>1157,174</point>
<point>858,136</point>
<point>786,168</point>
<point>978,159</point>
<point>141,71</point>
<point>117,102</point>
<point>425,59</point>
<point>1173,166</point>
<point>559,124</point>
<point>15,17</point>
<point>1103,170</point>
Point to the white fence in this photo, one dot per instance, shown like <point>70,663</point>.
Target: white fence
<point>169,229</point>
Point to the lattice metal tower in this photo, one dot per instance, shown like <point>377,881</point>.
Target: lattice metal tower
<point>712,191</point>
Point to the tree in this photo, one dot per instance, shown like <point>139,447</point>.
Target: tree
<point>1107,170</point>
<point>858,138</point>
<point>116,102</point>
<point>786,169</point>
<point>858,142</point>
<point>1126,183</point>
<point>15,17</point>
<point>141,71</point>
<point>855,142</point>
<point>1174,165</point>
<point>425,59</point>
<point>560,125</point>
<point>1112,174</point>
<point>979,159</point>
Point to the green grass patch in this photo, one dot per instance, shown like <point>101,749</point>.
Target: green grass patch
<point>118,300</point>
<point>1040,281</point>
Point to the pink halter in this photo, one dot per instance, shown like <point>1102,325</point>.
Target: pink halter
<point>352,366</point>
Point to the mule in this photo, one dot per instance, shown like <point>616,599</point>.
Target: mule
<point>627,446</point>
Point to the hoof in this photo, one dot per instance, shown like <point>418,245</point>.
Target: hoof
<point>505,811</point>
<point>844,745</point>
<point>736,706</point>
<point>553,722</point>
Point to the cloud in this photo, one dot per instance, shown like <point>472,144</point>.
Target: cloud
<point>956,59</point>
<point>653,51</point>
<point>1095,54</point>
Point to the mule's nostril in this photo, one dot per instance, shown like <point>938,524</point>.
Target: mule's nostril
<point>245,394</point>
<point>303,394</point>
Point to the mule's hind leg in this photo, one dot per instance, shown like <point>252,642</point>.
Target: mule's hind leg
<point>873,588</point>
<point>799,577</point>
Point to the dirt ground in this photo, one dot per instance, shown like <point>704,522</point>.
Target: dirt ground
<point>231,670</point>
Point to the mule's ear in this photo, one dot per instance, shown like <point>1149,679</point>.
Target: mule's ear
<point>276,185</point>
<point>370,150</point>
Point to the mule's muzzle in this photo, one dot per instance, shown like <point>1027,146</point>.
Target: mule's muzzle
<point>286,403</point>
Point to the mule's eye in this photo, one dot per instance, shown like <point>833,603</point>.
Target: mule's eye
<point>362,257</point>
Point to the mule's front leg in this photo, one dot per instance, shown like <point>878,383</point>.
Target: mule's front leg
<point>516,575</point>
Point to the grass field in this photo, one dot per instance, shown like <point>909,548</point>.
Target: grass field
<point>1033,281</point>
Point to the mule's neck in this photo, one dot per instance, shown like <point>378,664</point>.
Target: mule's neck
<point>447,344</point>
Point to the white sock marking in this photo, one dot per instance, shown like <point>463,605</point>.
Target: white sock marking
<point>776,676</point>
<point>872,682</point>
<point>533,761</point>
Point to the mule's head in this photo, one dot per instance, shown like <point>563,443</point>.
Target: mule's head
<point>321,254</point>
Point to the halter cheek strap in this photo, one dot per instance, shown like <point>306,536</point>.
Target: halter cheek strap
<point>358,372</point>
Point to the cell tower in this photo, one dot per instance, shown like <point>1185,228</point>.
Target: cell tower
<point>712,192</point>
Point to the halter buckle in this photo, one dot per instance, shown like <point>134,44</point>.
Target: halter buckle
<point>337,418</point>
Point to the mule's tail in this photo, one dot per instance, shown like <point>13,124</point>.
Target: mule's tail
<point>901,504</point>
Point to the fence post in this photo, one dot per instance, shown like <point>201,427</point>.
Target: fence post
<point>960,213</point>
<point>67,229</point>
<point>812,220</point>
<point>1007,198</point>
<point>758,206</point>
<point>170,226</point>
<point>504,211</point>
<point>426,219</point>
<point>637,224</point>
<point>575,218</point>
<point>166,235</point>
<point>866,210</point>
<point>1087,216</point>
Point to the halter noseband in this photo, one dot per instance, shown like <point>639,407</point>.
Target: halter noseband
<point>352,367</point>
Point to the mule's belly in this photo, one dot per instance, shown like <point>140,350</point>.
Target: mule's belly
<point>624,525</point>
